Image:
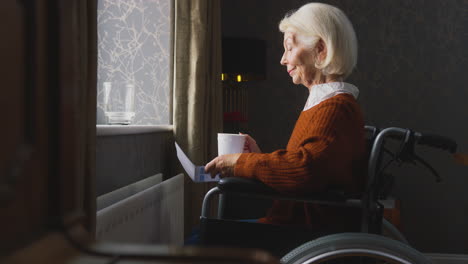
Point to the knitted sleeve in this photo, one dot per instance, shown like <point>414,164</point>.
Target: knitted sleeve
<point>315,151</point>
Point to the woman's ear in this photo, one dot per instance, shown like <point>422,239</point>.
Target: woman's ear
<point>321,49</point>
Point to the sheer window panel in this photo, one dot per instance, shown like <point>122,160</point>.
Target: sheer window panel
<point>134,45</point>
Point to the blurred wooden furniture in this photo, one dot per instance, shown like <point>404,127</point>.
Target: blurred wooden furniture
<point>56,248</point>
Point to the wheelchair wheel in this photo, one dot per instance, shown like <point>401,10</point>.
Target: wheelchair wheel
<point>354,248</point>
<point>389,230</point>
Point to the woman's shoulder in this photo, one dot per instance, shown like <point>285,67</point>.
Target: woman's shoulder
<point>339,101</point>
<point>338,107</point>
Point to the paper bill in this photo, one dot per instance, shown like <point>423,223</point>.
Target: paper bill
<point>196,173</point>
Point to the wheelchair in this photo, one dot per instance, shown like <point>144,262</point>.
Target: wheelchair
<point>363,243</point>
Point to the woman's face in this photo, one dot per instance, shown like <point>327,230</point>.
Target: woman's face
<point>299,60</point>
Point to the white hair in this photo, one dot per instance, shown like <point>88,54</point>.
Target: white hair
<point>315,21</point>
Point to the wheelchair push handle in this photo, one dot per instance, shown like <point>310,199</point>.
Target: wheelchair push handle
<point>420,138</point>
<point>437,141</point>
<point>409,140</point>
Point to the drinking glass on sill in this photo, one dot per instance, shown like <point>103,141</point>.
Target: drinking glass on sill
<point>119,102</point>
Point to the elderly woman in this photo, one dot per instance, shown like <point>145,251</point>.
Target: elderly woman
<point>327,146</point>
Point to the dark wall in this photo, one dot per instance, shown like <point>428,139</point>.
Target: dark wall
<point>125,159</point>
<point>411,73</point>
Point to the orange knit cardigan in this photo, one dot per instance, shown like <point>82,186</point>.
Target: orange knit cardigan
<point>326,148</point>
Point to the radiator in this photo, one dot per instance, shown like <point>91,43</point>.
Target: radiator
<point>153,215</point>
<point>118,195</point>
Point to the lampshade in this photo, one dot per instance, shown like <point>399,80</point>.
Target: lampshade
<point>243,56</point>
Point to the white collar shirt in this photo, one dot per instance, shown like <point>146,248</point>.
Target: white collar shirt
<point>321,92</point>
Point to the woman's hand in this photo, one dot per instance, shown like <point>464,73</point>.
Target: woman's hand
<point>224,165</point>
<point>250,145</point>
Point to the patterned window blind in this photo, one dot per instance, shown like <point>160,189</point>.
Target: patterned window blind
<point>134,46</point>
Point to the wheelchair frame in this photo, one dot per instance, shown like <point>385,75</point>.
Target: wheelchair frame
<point>372,210</point>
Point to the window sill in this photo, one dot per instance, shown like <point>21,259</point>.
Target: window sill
<point>115,130</point>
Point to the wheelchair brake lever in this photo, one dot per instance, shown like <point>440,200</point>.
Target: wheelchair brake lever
<point>406,151</point>
<point>428,166</point>
<point>407,154</point>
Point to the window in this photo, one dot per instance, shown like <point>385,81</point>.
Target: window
<point>134,46</point>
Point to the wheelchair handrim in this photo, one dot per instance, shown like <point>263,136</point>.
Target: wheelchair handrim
<point>356,252</point>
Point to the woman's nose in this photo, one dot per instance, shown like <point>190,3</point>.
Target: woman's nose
<point>283,60</point>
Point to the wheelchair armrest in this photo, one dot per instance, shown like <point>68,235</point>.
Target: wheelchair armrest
<point>257,189</point>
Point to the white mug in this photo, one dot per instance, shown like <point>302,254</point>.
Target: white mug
<point>230,143</point>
